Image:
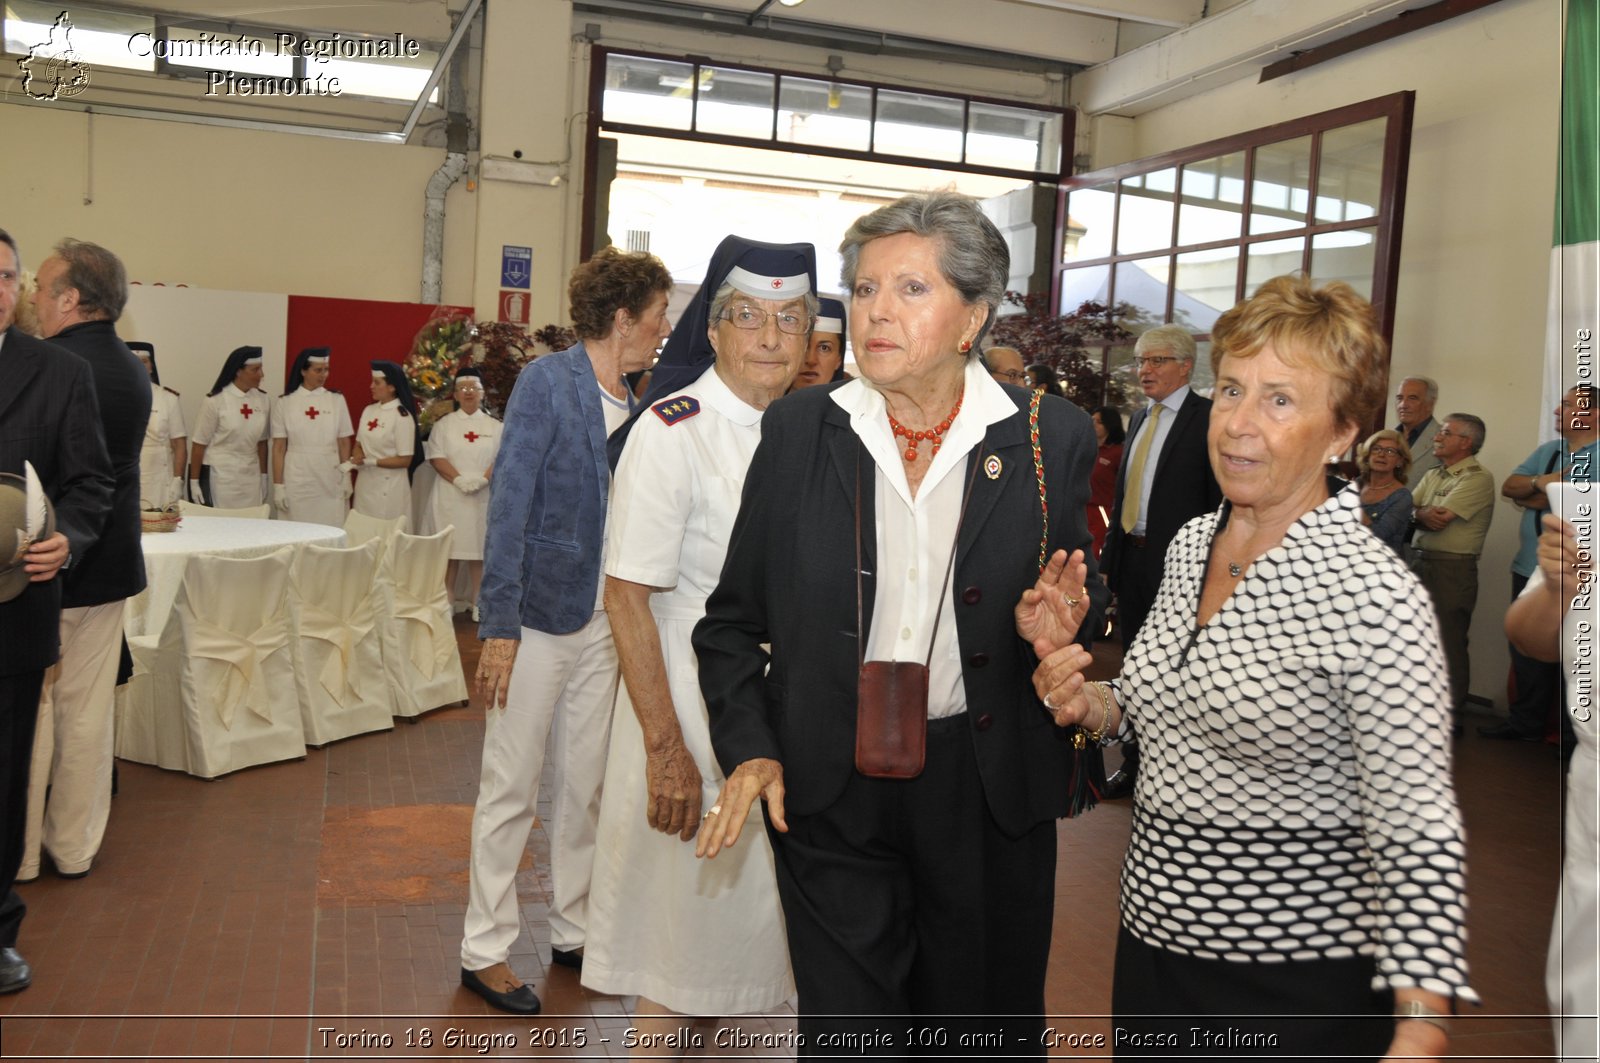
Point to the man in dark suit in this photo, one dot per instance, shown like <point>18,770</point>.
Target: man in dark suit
<point>48,418</point>
<point>82,290</point>
<point>1165,480</point>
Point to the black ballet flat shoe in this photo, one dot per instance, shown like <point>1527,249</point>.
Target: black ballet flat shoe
<point>572,958</point>
<point>519,1001</point>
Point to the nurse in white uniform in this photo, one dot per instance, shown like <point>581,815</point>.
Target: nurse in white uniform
<point>166,440</point>
<point>228,455</point>
<point>1556,619</point>
<point>388,446</point>
<point>311,438</point>
<point>462,449</point>
<point>687,936</point>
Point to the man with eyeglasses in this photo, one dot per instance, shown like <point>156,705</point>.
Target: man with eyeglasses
<point>1569,457</point>
<point>1455,504</point>
<point>1165,480</point>
<point>1006,366</point>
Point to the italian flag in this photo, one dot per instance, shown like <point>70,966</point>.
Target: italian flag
<point>1572,356</point>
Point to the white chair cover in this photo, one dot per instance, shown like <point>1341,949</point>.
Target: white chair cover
<point>358,528</point>
<point>338,662</point>
<point>419,640</point>
<point>195,509</point>
<point>215,692</point>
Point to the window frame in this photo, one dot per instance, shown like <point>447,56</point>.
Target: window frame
<point>1386,221</point>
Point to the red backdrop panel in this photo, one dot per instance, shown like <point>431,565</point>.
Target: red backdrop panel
<point>358,331</point>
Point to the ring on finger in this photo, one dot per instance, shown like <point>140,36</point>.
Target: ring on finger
<point>714,810</point>
<point>1048,703</point>
<point>1071,601</point>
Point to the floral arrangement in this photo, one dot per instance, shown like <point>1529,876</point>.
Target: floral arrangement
<point>442,347</point>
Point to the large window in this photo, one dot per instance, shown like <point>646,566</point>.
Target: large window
<point>1182,237</point>
<point>750,106</point>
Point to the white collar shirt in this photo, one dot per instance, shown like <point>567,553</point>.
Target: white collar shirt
<point>1172,403</point>
<point>915,536</point>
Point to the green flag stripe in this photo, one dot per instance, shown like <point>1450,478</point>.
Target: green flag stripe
<point>1578,193</point>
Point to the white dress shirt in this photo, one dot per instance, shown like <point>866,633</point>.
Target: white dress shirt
<point>1173,403</point>
<point>915,536</point>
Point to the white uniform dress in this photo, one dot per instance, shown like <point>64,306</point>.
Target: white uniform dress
<point>155,458</point>
<point>702,937</point>
<point>469,441</point>
<point>384,433</point>
<point>1570,975</point>
<point>231,423</point>
<point>313,422</point>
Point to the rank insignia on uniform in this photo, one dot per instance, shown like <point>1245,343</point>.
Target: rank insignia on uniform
<point>679,409</point>
<point>992,466</point>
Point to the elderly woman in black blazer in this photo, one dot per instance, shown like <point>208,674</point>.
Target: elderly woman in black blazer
<point>928,893</point>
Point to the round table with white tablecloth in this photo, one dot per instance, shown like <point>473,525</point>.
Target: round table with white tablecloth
<point>166,555</point>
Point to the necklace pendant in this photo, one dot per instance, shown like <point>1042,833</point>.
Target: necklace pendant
<point>1234,570</point>
<point>911,453</point>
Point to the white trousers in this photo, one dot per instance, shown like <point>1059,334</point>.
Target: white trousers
<point>563,685</point>
<point>72,745</point>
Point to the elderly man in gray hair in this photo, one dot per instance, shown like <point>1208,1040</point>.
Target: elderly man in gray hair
<point>1165,480</point>
<point>82,290</point>
<point>1413,406</point>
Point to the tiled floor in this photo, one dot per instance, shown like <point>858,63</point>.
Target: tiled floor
<point>314,908</point>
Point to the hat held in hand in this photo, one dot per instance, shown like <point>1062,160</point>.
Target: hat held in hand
<point>26,517</point>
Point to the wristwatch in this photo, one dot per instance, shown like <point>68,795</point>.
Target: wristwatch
<point>1416,1009</point>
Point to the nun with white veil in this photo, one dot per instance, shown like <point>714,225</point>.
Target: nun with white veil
<point>689,937</point>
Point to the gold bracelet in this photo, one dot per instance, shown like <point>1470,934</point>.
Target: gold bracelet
<point>1098,734</point>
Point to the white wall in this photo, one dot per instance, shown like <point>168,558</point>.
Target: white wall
<point>1475,250</point>
<point>229,208</point>
<point>194,330</point>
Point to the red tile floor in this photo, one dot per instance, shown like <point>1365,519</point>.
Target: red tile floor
<point>314,908</point>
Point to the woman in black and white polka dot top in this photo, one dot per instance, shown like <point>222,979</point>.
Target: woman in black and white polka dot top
<point>1297,852</point>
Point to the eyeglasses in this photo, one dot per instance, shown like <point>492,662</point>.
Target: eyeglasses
<point>469,390</point>
<point>1154,361</point>
<point>753,317</point>
<point>1016,376</point>
<point>1391,451</point>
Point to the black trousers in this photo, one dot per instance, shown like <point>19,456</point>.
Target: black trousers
<point>19,712</point>
<point>1174,1006</point>
<point>916,927</point>
<point>1137,582</point>
<point>1538,686</point>
<point>1138,579</point>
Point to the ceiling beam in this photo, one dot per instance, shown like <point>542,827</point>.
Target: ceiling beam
<point>1399,26</point>
<point>1172,13</point>
<point>833,37</point>
<point>1236,44</point>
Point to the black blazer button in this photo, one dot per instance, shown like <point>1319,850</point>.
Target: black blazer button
<point>972,595</point>
<point>983,722</point>
<point>978,660</point>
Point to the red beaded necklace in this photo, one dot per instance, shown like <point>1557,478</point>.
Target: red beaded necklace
<point>935,433</point>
